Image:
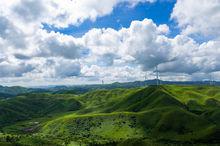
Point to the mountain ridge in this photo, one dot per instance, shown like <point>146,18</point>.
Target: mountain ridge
<point>7,92</point>
<point>163,114</point>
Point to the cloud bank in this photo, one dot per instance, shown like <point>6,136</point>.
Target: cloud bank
<point>28,52</point>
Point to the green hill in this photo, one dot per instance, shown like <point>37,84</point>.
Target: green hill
<point>7,92</point>
<point>167,114</point>
<point>152,112</point>
<point>198,93</point>
<point>162,124</point>
<point>31,106</point>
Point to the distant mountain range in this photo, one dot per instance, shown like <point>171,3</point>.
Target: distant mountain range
<point>7,92</point>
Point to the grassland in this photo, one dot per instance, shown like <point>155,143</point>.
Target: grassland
<point>153,115</point>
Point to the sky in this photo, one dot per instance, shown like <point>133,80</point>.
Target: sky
<point>68,42</point>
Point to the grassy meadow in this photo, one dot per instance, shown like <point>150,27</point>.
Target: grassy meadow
<point>153,115</point>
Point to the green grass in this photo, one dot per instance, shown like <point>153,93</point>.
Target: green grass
<point>100,100</point>
<point>197,93</point>
<point>153,115</point>
<point>157,124</point>
<point>35,105</point>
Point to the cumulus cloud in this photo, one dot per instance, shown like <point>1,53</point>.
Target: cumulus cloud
<point>191,57</point>
<point>23,40</point>
<point>142,42</point>
<point>183,48</point>
<point>10,34</point>
<point>113,74</point>
<point>28,51</point>
<point>208,56</point>
<point>29,10</point>
<point>14,70</point>
<point>58,45</point>
<point>198,17</point>
<point>54,67</point>
<point>146,45</point>
<point>61,13</point>
<point>67,69</point>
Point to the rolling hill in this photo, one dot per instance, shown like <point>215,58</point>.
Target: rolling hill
<point>166,114</point>
<point>31,106</point>
<point>7,92</point>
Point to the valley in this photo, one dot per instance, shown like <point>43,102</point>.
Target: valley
<point>146,115</point>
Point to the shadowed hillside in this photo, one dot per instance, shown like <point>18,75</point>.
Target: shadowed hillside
<point>35,105</point>
<point>155,114</point>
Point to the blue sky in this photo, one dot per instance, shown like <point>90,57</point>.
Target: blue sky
<point>45,42</point>
<point>123,15</point>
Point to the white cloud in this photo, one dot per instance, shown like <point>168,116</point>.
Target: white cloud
<point>60,13</point>
<point>198,17</point>
<point>10,34</point>
<point>113,74</point>
<point>27,52</point>
<point>163,29</point>
<point>67,68</point>
<point>141,42</point>
<point>29,10</point>
<point>146,46</point>
<point>58,45</point>
<point>208,56</point>
<point>14,69</point>
<point>191,57</point>
<point>53,67</point>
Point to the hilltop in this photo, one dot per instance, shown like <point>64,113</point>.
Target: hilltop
<point>174,114</point>
<point>8,92</point>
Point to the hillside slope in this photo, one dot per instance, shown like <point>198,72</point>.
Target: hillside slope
<point>6,92</point>
<point>156,114</point>
<point>31,106</point>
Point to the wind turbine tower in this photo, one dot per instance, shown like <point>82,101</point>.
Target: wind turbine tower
<point>145,79</point>
<point>211,81</point>
<point>157,75</point>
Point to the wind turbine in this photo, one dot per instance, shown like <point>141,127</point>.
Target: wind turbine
<point>145,79</point>
<point>157,75</point>
<point>211,81</point>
